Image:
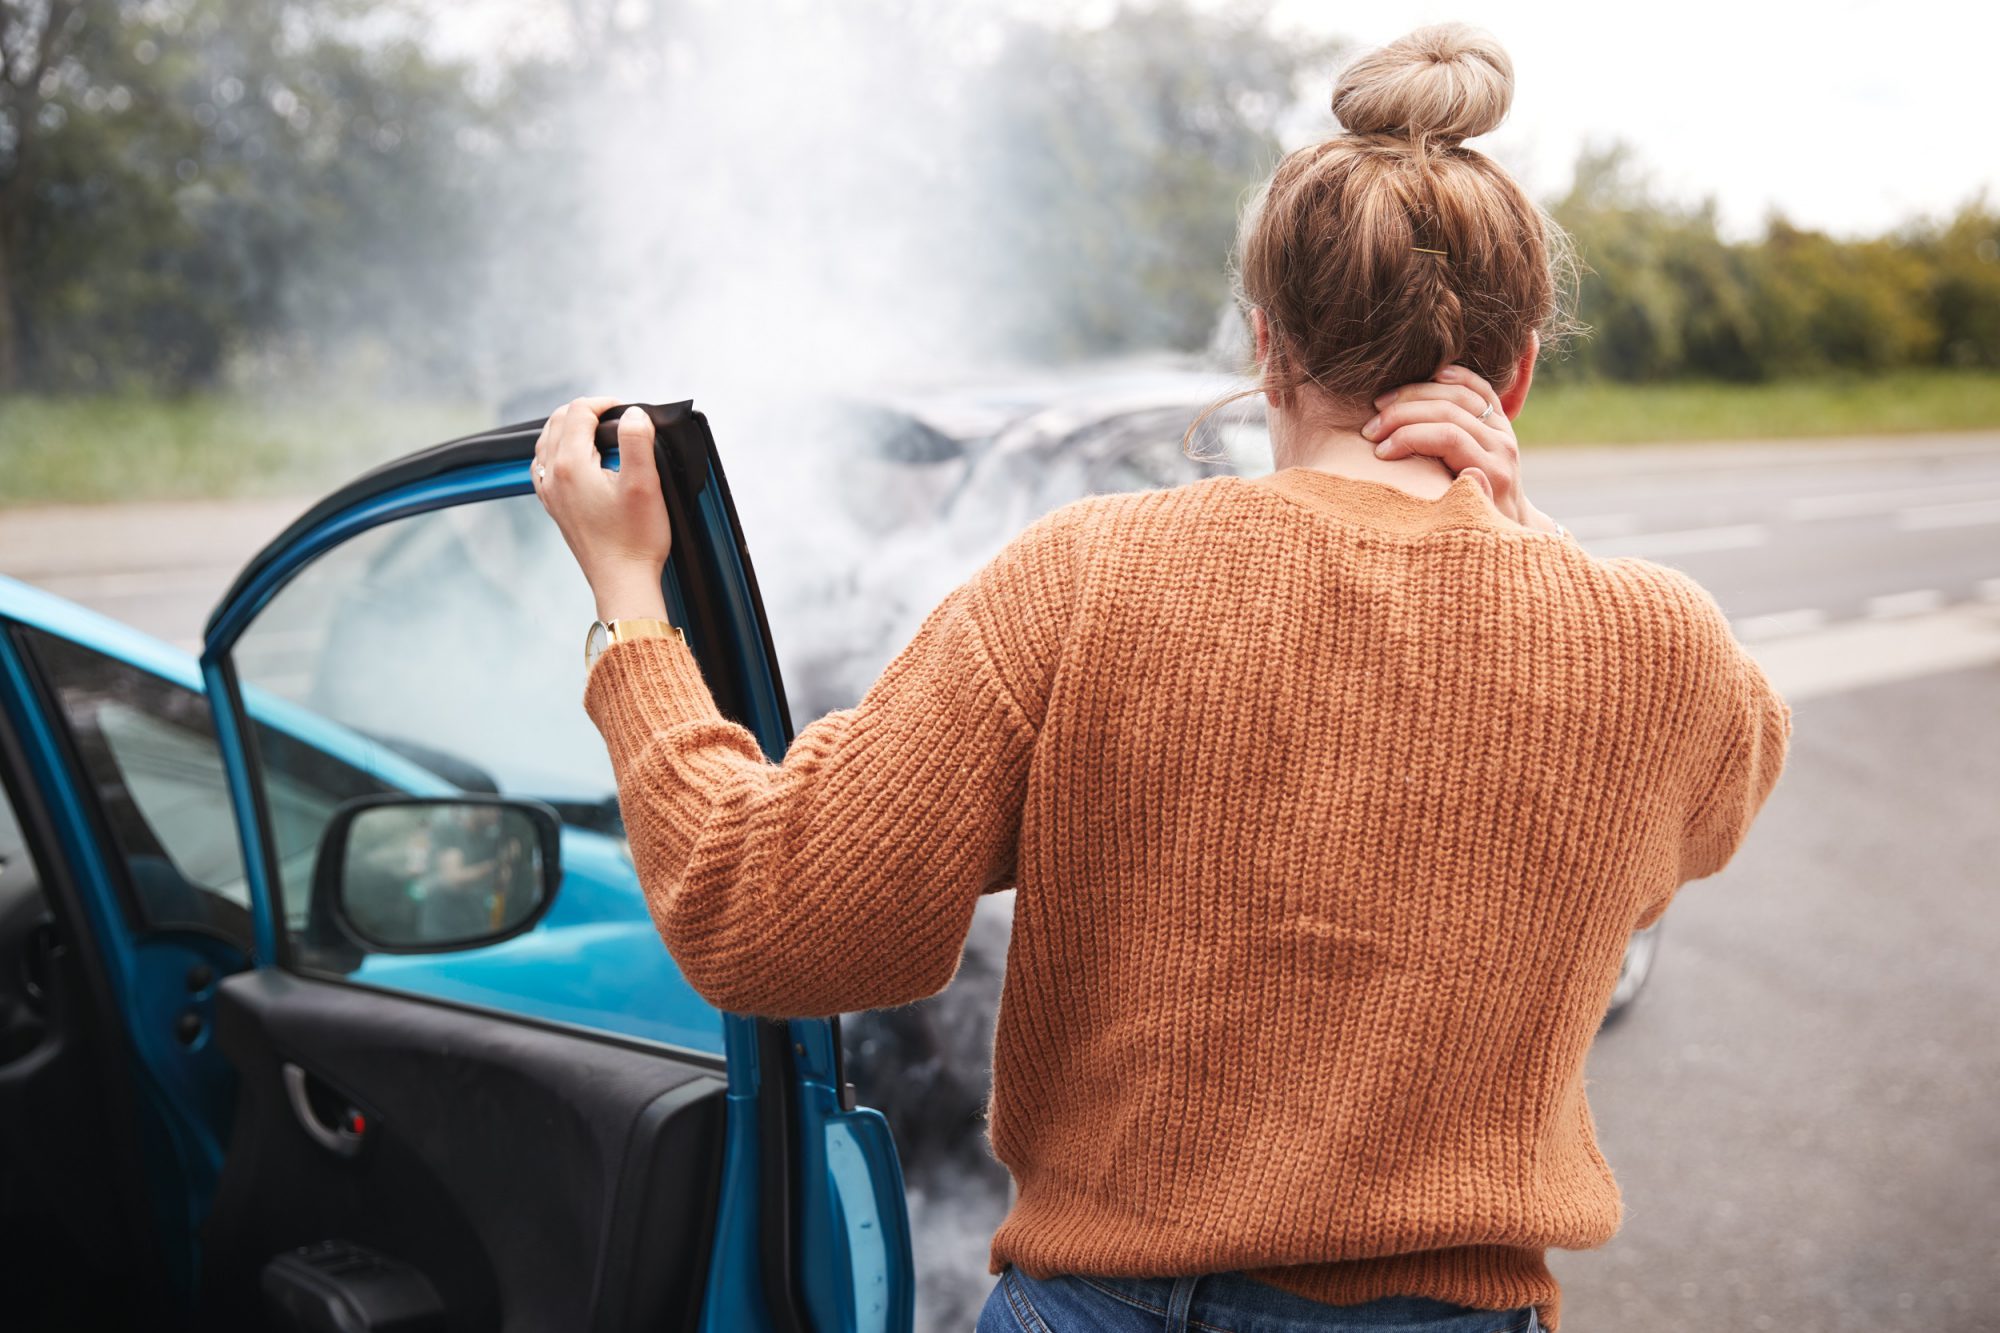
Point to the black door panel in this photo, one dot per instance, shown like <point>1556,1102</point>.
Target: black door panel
<point>75,1215</point>
<point>539,1179</point>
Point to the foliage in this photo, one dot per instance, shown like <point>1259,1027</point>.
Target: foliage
<point>1132,145</point>
<point>1667,297</point>
<point>184,179</point>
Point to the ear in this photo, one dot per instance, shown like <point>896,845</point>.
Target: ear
<point>1515,396</point>
<point>1260,330</point>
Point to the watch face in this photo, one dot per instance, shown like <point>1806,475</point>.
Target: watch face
<point>596,641</point>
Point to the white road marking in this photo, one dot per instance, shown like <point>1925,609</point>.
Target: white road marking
<point>1854,504</point>
<point>1686,541</point>
<point>1778,624</point>
<point>1602,525</point>
<point>1963,514</point>
<point>1893,606</point>
<point>1858,653</point>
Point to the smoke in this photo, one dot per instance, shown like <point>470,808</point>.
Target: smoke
<point>756,198</point>
<point>773,209</point>
<point>776,209</point>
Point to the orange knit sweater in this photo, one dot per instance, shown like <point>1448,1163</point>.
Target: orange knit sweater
<point>1330,810</point>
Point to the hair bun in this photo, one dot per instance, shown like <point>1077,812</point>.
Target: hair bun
<point>1441,84</point>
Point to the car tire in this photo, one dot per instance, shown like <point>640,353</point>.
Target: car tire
<point>1640,952</point>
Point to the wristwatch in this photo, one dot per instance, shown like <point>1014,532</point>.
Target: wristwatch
<point>605,633</point>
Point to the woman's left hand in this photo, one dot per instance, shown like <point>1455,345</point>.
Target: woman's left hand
<point>615,522</point>
<point>1457,418</point>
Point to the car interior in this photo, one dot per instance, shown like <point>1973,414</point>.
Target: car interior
<point>386,1147</point>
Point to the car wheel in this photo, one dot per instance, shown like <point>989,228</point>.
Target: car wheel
<point>1640,951</point>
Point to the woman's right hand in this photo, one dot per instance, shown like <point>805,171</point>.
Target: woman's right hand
<point>1457,418</point>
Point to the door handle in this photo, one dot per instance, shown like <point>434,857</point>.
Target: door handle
<point>343,1139</point>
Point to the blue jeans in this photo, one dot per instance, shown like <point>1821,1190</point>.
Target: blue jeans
<point>1216,1303</point>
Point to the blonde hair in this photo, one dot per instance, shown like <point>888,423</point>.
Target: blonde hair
<point>1388,250</point>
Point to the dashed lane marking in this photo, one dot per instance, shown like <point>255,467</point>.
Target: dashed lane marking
<point>1892,606</point>
<point>1686,541</point>
<point>1778,624</point>
<point>1963,514</point>
<point>1858,653</point>
<point>1857,503</point>
<point>1594,526</point>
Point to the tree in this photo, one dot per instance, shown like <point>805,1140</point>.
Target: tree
<point>182,178</point>
<point>36,37</point>
<point>1666,296</point>
<point>1962,259</point>
<point>1120,157</point>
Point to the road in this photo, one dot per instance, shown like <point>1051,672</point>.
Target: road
<point>1804,556</point>
<point>160,567</point>
<point>1800,1110</point>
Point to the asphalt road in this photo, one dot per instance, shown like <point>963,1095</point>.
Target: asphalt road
<point>1789,537</point>
<point>1800,1109</point>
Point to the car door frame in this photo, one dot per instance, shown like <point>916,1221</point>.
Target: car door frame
<point>812,1229</point>
<point>170,1088</point>
<point>41,810</point>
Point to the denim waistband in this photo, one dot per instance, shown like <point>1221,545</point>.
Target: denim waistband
<point>1233,1303</point>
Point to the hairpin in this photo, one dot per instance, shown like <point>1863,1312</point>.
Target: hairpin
<point>1426,250</point>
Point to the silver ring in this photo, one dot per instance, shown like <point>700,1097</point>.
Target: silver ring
<point>541,474</point>
<point>1487,413</point>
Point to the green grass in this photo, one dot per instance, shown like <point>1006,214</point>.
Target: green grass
<point>132,448</point>
<point>1906,402</point>
<point>208,445</point>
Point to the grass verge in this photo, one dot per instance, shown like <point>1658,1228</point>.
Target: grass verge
<point>56,450</point>
<point>1907,402</point>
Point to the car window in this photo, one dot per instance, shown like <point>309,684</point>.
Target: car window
<point>148,750</point>
<point>25,939</point>
<point>20,886</point>
<point>13,847</point>
<point>443,653</point>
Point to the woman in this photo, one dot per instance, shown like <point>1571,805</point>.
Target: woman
<point>1331,797</point>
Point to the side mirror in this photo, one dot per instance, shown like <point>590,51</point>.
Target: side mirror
<point>406,874</point>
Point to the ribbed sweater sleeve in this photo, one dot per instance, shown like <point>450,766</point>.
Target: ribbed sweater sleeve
<point>843,878</point>
<point>1759,730</point>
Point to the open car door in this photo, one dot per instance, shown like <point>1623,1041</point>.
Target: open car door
<point>537,1125</point>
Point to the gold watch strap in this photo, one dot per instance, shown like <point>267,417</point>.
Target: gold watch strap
<point>619,631</point>
<point>605,633</point>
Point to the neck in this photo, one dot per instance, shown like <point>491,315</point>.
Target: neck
<point>1342,451</point>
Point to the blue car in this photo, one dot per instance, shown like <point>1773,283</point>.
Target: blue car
<point>329,998</point>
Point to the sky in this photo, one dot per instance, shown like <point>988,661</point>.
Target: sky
<point>1850,117</point>
<point>1847,117</point>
